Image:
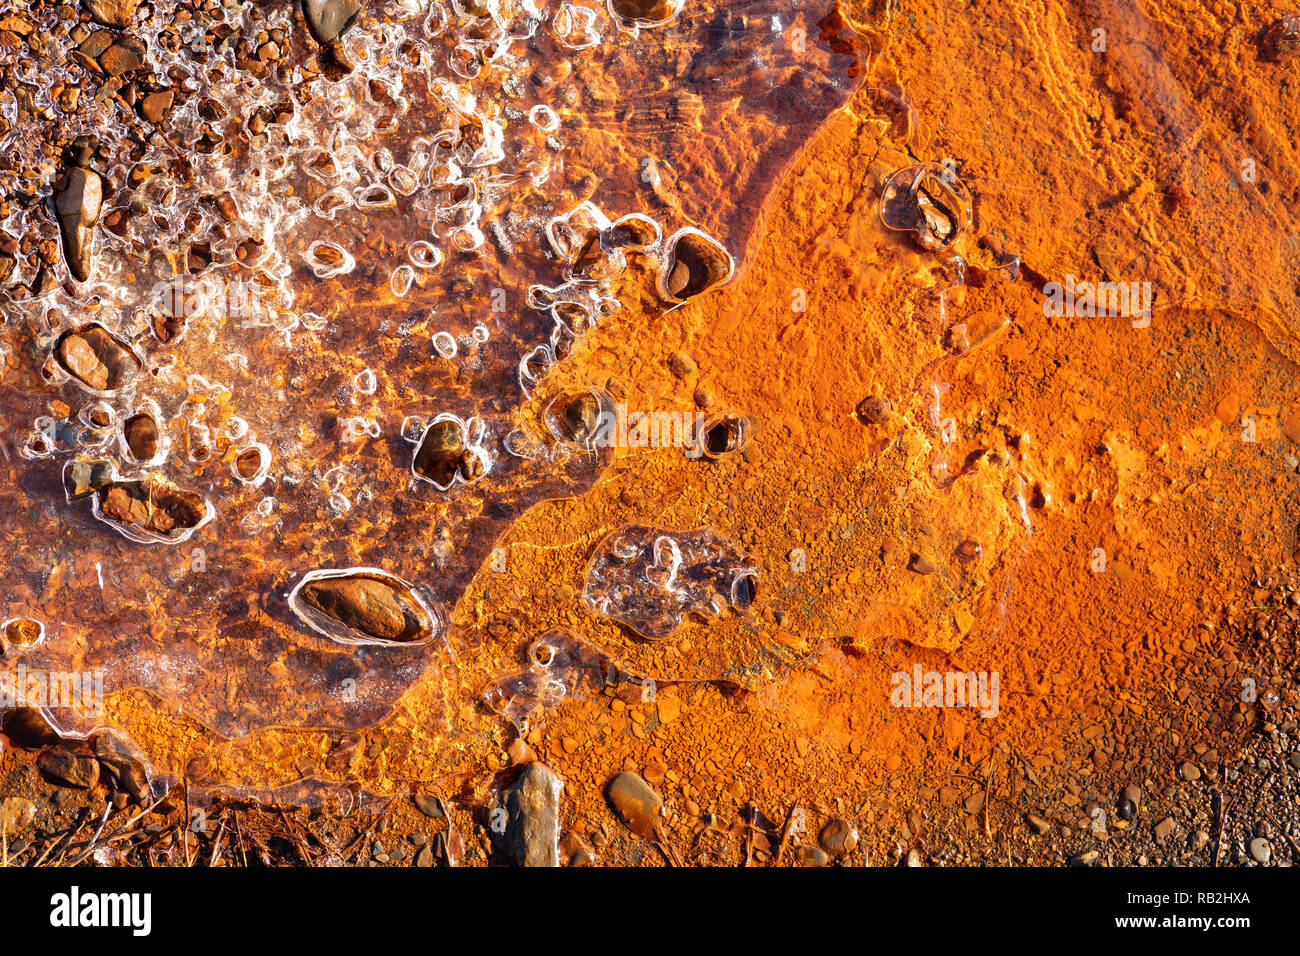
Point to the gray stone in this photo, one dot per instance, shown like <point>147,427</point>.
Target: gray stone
<point>1260,850</point>
<point>329,19</point>
<point>532,817</point>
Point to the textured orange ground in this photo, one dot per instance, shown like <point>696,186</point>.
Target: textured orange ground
<point>1070,435</point>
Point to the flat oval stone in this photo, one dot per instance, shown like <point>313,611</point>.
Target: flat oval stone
<point>363,606</point>
<point>636,803</point>
<point>96,358</point>
<point>141,434</point>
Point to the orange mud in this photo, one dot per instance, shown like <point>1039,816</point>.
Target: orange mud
<point>961,532</point>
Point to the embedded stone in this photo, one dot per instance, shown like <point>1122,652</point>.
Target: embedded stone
<point>575,416</point>
<point>442,455</point>
<point>71,768</point>
<point>1281,38</point>
<point>696,264</point>
<point>248,464</point>
<point>24,632</point>
<point>151,509</point>
<point>168,326</point>
<point>81,476</point>
<point>141,434</point>
<point>79,204</point>
<point>636,803</point>
<point>532,807</point>
<point>367,605</point>
<point>329,19</point>
<point>16,815</point>
<point>646,11</point>
<point>724,436</point>
<point>96,358</point>
<point>112,13</point>
<point>121,764</point>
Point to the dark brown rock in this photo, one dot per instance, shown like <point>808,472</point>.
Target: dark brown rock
<point>151,509</point>
<point>169,326</point>
<point>874,410</point>
<point>27,728</point>
<point>590,257</point>
<point>126,769</point>
<point>442,455</point>
<point>249,463</point>
<point>141,434</point>
<point>696,264</point>
<point>69,767</point>
<point>632,233</point>
<point>430,805</point>
<point>575,851</point>
<point>1281,38</point>
<point>724,435</point>
<point>636,803</point>
<point>576,416</point>
<point>645,11</point>
<point>375,607</point>
<point>838,837</point>
<point>808,855</point>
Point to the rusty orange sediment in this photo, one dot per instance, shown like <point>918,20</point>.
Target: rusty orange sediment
<point>867,270</point>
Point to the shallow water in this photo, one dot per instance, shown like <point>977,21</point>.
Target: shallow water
<point>406,241</point>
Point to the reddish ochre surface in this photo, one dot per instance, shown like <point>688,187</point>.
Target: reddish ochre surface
<point>938,475</point>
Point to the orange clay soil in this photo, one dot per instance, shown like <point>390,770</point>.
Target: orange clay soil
<point>965,546</point>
